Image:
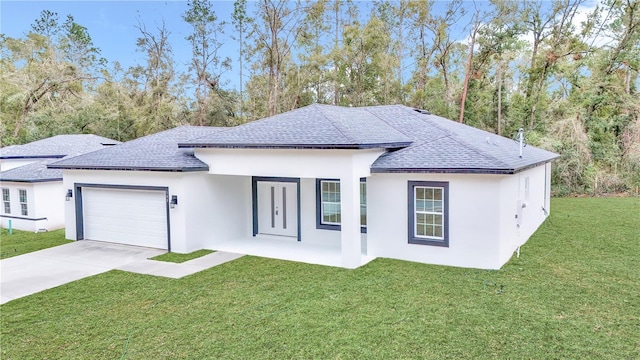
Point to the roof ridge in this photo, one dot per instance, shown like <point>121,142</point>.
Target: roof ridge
<point>317,108</point>
<point>228,128</point>
<point>367,108</point>
<point>454,137</point>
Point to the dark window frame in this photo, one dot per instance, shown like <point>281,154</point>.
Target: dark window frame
<point>24,205</point>
<point>6,201</point>
<point>319,223</point>
<point>411,213</point>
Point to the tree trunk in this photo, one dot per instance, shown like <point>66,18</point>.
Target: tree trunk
<point>465,88</point>
<point>499,80</point>
<point>335,47</point>
<point>241,79</point>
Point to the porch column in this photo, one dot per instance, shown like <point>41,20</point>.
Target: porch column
<point>350,221</point>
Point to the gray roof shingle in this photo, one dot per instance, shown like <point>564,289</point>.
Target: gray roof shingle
<point>156,152</point>
<point>426,143</point>
<point>56,147</point>
<point>311,127</point>
<point>417,142</point>
<point>442,145</point>
<point>34,172</point>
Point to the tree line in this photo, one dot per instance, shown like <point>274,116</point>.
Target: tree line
<point>565,72</point>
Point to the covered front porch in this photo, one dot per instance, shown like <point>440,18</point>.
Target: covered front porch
<point>284,207</point>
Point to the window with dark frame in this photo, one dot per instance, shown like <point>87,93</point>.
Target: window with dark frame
<point>328,215</point>
<point>6,200</point>
<point>428,213</point>
<point>23,202</point>
<point>330,202</point>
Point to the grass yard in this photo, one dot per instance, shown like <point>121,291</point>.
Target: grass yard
<point>573,293</point>
<point>22,242</point>
<point>180,258</point>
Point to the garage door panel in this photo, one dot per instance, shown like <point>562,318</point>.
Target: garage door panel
<point>126,226</point>
<point>133,217</point>
<point>133,213</point>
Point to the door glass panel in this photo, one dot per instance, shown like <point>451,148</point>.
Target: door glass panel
<point>284,207</point>
<point>273,207</point>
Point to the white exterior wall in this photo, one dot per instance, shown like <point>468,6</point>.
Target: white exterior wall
<point>483,227</point>
<point>218,209</point>
<point>19,224</point>
<point>473,220</point>
<point>295,163</point>
<point>347,165</point>
<point>310,233</point>
<point>178,184</point>
<point>45,200</point>
<point>217,206</point>
<point>229,216</point>
<point>515,231</point>
<point>49,203</point>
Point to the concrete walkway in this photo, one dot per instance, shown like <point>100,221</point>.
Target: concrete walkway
<point>45,269</point>
<point>176,271</point>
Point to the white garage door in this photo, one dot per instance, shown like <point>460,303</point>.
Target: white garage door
<point>132,217</point>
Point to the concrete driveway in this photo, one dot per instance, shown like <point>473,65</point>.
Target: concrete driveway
<point>37,271</point>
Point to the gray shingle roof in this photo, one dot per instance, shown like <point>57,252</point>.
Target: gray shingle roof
<point>34,172</point>
<point>56,147</point>
<point>417,142</point>
<point>156,152</point>
<point>311,127</point>
<point>442,145</point>
<point>426,143</point>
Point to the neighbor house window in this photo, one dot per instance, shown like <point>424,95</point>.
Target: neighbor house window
<point>23,202</point>
<point>6,200</point>
<point>328,204</point>
<point>428,213</point>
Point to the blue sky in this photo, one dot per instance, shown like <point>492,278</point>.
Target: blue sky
<point>111,25</point>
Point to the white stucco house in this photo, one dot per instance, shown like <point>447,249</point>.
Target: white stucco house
<point>32,195</point>
<point>321,184</point>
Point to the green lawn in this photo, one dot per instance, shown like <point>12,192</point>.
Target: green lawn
<point>22,242</point>
<point>573,293</point>
<point>180,258</point>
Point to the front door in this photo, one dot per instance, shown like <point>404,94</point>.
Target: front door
<point>277,208</point>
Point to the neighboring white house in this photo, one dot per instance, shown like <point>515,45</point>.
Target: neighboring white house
<point>321,184</point>
<point>32,195</point>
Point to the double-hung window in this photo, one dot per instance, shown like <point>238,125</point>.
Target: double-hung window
<point>330,202</point>
<point>328,214</point>
<point>23,202</point>
<point>428,213</point>
<point>6,200</point>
